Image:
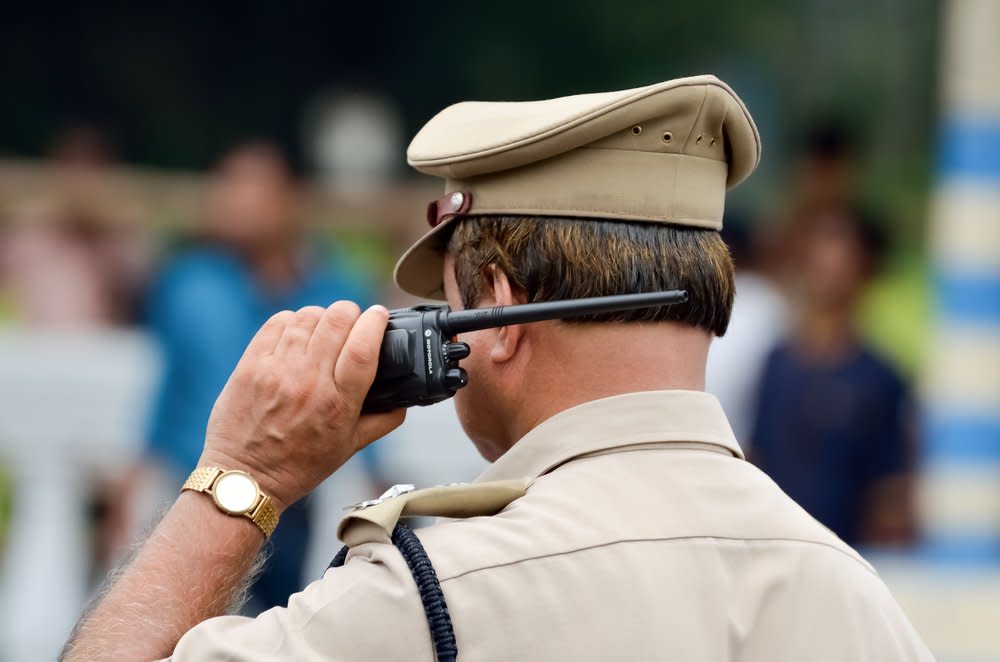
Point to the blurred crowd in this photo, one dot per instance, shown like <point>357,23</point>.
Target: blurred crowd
<point>814,405</point>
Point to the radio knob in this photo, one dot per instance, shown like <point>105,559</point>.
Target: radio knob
<point>455,378</point>
<point>456,351</point>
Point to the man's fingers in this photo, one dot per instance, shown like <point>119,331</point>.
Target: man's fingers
<point>372,427</point>
<point>331,333</point>
<point>295,337</point>
<point>356,363</point>
<point>267,336</point>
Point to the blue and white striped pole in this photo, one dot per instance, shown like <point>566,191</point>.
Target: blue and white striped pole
<point>960,494</point>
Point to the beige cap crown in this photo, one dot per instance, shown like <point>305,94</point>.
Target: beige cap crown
<point>662,153</point>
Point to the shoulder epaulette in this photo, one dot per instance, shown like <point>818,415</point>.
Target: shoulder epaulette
<point>375,520</point>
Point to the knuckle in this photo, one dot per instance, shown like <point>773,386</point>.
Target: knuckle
<point>244,374</point>
<point>297,333</point>
<point>346,309</point>
<point>294,386</point>
<point>283,317</point>
<point>311,312</point>
<point>268,381</point>
<point>303,319</point>
<point>300,393</point>
<point>358,356</point>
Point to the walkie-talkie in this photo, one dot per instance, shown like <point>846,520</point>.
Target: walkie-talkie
<point>418,362</point>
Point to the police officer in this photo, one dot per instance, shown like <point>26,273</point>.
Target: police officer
<point>618,520</point>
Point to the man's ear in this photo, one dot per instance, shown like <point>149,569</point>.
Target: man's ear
<point>508,337</point>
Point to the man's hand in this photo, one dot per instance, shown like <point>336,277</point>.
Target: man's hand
<point>289,416</point>
<point>290,413</point>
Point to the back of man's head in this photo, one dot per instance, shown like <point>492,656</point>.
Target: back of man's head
<point>550,259</point>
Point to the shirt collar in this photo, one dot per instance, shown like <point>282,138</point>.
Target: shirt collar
<point>616,422</point>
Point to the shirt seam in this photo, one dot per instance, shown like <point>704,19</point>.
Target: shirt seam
<point>800,541</point>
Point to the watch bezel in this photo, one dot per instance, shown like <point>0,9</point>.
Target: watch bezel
<point>227,509</point>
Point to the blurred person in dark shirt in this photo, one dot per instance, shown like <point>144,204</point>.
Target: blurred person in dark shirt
<point>204,307</point>
<point>832,424</point>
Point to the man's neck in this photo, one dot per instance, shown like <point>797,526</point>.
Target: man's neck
<point>574,364</point>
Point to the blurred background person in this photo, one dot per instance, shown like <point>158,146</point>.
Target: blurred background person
<point>72,255</point>
<point>72,259</point>
<point>82,149</point>
<point>252,260</point>
<point>827,171</point>
<point>53,267</point>
<point>759,320</point>
<point>833,420</point>
<point>822,173</point>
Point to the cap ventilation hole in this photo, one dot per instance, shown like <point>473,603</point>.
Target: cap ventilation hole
<point>667,136</point>
<point>636,130</point>
<point>713,140</point>
<point>699,139</point>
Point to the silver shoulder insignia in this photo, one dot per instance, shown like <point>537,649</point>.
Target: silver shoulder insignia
<point>393,491</point>
<point>374,520</point>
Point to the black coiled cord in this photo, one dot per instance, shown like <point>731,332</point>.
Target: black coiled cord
<point>431,595</point>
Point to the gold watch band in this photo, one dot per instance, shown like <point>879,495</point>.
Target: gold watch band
<point>201,479</point>
<point>263,513</point>
<point>265,516</point>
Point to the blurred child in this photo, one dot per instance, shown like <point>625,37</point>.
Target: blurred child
<point>833,419</point>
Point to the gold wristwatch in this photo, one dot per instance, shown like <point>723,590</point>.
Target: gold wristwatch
<point>235,493</point>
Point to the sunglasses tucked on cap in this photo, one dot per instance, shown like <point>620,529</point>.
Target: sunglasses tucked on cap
<point>664,153</point>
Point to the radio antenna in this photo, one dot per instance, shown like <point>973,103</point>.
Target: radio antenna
<point>453,323</point>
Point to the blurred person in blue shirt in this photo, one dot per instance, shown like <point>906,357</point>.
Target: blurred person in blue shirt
<point>833,420</point>
<point>209,300</point>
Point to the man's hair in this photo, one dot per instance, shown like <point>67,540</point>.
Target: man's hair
<point>568,258</point>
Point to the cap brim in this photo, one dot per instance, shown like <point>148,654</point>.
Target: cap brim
<point>420,271</point>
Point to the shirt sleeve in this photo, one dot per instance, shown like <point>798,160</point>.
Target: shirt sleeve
<point>368,609</point>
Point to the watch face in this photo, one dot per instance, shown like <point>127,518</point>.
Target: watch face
<point>235,492</point>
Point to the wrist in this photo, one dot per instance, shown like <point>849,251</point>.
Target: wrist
<point>267,485</point>
<point>236,494</point>
<point>203,515</point>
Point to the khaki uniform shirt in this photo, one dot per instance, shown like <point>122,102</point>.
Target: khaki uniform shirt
<point>643,535</point>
